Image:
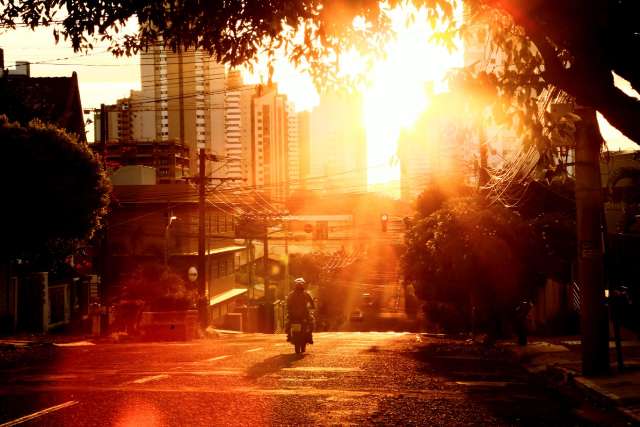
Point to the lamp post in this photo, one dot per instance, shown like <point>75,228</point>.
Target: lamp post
<point>166,239</point>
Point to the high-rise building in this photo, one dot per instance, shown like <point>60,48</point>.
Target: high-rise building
<point>270,143</point>
<point>261,137</point>
<point>238,132</point>
<point>304,146</point>
<point>293,146</point>
<point>189,99</point>
<point>185,91</point>
<point>338,146</point>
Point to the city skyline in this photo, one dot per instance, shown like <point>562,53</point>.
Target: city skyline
<point>98,70</point>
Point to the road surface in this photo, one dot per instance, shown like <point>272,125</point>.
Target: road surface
<point>252,379</point>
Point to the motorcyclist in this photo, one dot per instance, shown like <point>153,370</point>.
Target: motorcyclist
<point>298,303</point>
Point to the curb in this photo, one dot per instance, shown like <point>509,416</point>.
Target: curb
<point>611,399</point>
<point>574,379</point>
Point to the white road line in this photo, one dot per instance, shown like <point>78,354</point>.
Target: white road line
<point>321,369</point>
<point>254,349</point>
<point>281,344</point>
<point>151,378</point>
<point>213,359</point>
<point>40,413</point>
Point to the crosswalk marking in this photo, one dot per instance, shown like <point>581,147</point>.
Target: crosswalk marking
<point>40,413</point>
<point>151,378</point>
<point>213,359</point>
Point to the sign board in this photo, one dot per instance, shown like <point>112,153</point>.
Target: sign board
<point>193,274</point>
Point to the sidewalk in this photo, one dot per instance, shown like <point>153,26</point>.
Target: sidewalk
<point>561,358</point>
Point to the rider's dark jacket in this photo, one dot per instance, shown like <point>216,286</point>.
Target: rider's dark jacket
<point>298,303</point>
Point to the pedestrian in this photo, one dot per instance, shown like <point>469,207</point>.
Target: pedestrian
<point>522,311</point>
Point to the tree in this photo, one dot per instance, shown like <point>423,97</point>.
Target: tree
<point>55,193</point>
<point>567,44</point>
<point>468,254</point>
<point>307,266</point>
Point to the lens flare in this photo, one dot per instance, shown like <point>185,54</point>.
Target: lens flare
<point>414,67</point>
<point>396,91</point>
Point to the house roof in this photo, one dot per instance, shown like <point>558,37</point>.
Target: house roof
<point>51,99</point>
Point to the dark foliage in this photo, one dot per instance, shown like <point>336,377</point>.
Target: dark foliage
<point>567,44</point>
<point>55,193</point>
<point>159,288</point>
<point>468,254</point>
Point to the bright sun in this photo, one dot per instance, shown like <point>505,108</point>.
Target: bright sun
<point>400,89</point>
<point>397,92</point>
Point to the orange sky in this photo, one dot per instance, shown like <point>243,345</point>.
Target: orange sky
<point>103,78</point>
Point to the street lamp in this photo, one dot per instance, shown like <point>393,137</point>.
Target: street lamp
<point>166,239</point>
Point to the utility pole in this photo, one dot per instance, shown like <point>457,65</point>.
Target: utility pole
<point>202,181</point>
<point>286,257</point>
<point>265,257</point>
<point>202,256</point>
<point>250,266</point>
<point>594,323</point>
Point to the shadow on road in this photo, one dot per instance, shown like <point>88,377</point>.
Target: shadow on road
<point>272,364</point>
<point>493,381</point>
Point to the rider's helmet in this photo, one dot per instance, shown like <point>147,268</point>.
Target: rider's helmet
<point>299,283</point>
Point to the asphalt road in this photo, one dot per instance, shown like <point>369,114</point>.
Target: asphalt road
<point>345,378</point>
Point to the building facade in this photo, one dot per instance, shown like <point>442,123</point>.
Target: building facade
<point>338,146</point>
<point>185,92</point>
<point>188,99</point>
<point>270,144</point>
<point>170,159</point>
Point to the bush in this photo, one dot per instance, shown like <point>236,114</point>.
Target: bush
<point>160,288</point>
<point>470,254</point>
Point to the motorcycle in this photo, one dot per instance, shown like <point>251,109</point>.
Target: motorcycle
<point>300,335</point>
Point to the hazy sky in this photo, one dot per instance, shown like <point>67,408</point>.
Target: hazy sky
<point>104,78</point>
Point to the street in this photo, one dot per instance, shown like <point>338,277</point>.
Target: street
<point>252,379</point>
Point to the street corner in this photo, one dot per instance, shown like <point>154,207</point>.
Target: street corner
<point>536,352</point>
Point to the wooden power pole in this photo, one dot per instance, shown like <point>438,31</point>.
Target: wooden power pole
<point>594,323</point>
<point>202,256</point>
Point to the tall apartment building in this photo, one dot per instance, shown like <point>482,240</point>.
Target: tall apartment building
<point>304,146</point>
<point>185,92</point>
<point>261,137</point>
<point>238,133</point>
<point>293,147</point>
<point>188,99</point>
<point>270,143</point>
<point>338,146</point>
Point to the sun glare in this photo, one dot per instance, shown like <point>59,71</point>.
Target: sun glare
<point>396,93</point>
<point>414,66</point>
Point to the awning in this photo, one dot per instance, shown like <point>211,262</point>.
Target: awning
<point>227,295</point>
<point>318,217</point>
<point>215,251</point>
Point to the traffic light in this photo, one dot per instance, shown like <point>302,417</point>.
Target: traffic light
<point>384,219</point>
